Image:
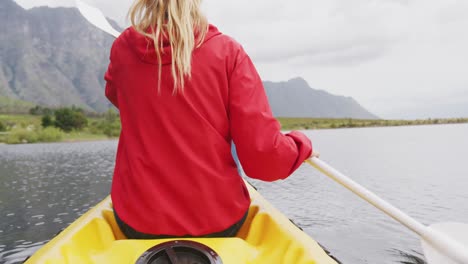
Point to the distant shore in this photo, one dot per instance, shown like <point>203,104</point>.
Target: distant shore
<point>288,123</point>
<point>26,129</point>
<point>22,129</point>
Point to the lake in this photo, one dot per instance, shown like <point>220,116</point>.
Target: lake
<point>421,170</point>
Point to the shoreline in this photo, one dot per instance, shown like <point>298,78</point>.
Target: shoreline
<point>322,123</point>
<point>63,141</point>
<point>284,128</point>
<point>29,129</point>
<point>83,140</point>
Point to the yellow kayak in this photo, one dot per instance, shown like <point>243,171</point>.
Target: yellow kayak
<point>267,236</point>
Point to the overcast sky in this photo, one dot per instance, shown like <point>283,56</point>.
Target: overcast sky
<point>398,58</point>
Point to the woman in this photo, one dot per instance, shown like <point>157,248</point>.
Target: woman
<point>184,91</point>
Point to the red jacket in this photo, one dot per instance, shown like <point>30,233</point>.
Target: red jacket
<point>174,173</point>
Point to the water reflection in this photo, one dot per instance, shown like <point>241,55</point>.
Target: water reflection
<point>45,187</point>
<point>396,164</point>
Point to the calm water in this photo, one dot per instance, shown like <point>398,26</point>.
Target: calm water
<point>421,170</point>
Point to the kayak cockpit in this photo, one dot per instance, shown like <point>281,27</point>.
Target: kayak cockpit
<point>267,236</point>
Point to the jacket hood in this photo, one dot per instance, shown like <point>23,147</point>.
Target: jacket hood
<point>144,46</point>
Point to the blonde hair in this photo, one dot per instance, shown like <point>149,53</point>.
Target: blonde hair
<point>181,22</point>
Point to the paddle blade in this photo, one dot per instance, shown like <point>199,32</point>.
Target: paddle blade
<point>456,231</point>
<point>96,17</point>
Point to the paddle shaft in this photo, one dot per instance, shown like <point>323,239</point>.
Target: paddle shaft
<point>440,241</point>
<point>96,17</point>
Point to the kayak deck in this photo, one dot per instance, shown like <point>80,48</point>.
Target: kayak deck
<point>267,236</point>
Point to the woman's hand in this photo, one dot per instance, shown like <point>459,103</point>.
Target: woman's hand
<point>315,154</point>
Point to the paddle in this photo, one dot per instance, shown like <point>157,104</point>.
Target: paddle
<point>96,17</point>
<point>441,242</point>
<point>449,239</point>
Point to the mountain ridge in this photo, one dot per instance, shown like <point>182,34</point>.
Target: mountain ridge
<point>54,57</point>
<point>295,98</point>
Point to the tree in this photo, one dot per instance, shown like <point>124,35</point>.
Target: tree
<point>111,124</point>
<point>39,110</point>
<point>35,110</point>
<point>111,116</point>
<point>47,111</point>
<point>47,121</point>
<point>68,119</point>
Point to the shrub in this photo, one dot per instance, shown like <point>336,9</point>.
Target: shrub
<point>112,130</point>
<point>95,127</point>
<point>39,110</point>
<point>109,125</point>
<point>111,116</point>
<point>20,135</point>
<point>50,134</point>
<point>68,119</point>
<point>47,121</point>
<point>2,127</point>
<point>35,110</point>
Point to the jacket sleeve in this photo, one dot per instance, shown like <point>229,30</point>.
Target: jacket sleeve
<point>111,91</point>
<point>264,152</point>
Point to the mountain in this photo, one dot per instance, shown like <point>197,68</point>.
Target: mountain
<point>54,57</point>
<point>295,98</point>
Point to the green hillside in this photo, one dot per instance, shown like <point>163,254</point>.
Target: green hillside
<point>13,106</point>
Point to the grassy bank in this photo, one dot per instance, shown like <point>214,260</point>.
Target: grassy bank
<point>20,129</point>
<point>23,128</point>
<point>324,123</point>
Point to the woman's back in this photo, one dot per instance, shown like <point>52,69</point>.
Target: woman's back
<point>174,150</point>
<point>174,171</point>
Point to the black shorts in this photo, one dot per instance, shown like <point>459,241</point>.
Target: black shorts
<point>131,233</point>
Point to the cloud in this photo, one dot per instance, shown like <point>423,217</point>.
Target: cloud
<point>334,32</point>
<point>328,32</point>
